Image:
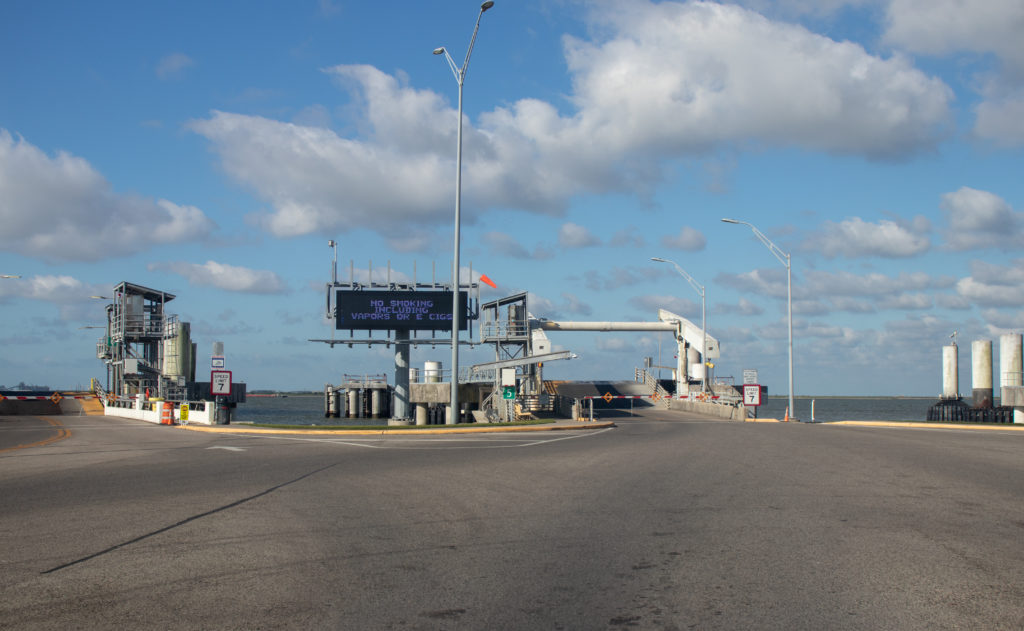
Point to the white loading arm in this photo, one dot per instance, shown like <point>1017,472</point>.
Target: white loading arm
<point>691,333</point>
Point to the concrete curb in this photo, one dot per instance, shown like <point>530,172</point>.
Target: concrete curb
<point>915,425</point>
<point>390,431</point>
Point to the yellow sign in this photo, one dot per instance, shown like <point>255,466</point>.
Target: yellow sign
<point>55,397</point>
<point>607,397</point>
<point>184,411</point>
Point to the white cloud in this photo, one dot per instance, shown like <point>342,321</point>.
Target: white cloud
<point>851,305</point>
<point>1000,321</point>
<point>680,77</point>
<point>944,26</point>
<point>171,66</point>
<point>688,239</point>
<point>906,301</point>
<point>855,237</point>
<point>618,277</point>
<point>990,295</point>
<point>949,301</point>
<point>766,282</point>
<point>817,282</point>
<point>1001,120</point>
<point>994,285</point>
<point>572,236</point>
<point>613,344</point>
<point>61,209</point>
<point>627,237</point>
<point>60,289</point>
<point>504,244</point>
<point>665,80</point>
<point>649,304</point>
<point>743,307</point>
<point>226,277</point>
<point>979,219</point>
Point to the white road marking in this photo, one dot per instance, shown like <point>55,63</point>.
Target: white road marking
<point>490,441</point>
<point>226,448</point>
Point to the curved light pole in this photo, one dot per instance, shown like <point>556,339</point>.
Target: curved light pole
<point>460,77</point>
<point>785,260</point>
<point>10,276</point>
<point>703,320</point>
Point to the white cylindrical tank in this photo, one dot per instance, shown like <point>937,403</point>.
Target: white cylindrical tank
<point>375,403</point>
<point>432,372</point>
<point>981,373</point>
<point>950,373</point>
<point>1011,366</point>
<point>694,367</point>
<point>353,403</point>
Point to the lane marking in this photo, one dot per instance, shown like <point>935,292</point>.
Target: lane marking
<point>423,443</point>
<point>226,448</point>
<point>62,433</point>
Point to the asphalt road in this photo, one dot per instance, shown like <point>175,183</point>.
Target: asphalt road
<point>653,524</point>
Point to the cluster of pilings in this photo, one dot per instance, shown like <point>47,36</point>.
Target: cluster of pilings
<point>358,397</point>
<point>952,407</point>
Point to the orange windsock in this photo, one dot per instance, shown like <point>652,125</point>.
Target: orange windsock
<point>484,279</point>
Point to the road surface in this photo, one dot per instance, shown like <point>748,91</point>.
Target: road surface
<point>653,524</point>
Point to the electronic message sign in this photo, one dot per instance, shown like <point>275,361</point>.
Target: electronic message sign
<point>398,310</point>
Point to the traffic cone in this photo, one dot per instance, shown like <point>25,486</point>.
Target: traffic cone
<point>785,419</point>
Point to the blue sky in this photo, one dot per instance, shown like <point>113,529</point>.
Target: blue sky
<point>211,149</point>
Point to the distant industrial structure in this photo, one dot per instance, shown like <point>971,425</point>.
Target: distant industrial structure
<point>149,356</point>
<point>951,405</point>
<point>413,313</point>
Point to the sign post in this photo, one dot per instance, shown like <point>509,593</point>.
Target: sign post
<point>220,387</point>
<point>752,396</point>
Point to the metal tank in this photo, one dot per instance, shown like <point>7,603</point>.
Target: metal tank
<point>950,373</point>
<point>981,374</point>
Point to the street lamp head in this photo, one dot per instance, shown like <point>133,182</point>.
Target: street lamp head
<point>660,260</point>
<point>730,221</point>
<point>439,50</point>
<point>486,5</point>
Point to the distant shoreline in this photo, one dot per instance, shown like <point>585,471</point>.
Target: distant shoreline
<point>849,396</point>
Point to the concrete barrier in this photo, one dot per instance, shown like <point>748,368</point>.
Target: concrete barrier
<point>707,408</point>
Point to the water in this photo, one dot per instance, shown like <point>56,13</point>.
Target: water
<point>292,410</point>
<point>849,409</point>
<point>309,410</point>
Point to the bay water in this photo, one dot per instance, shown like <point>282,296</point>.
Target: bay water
<point>309,410</point>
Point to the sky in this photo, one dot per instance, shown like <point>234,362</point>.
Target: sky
<point>211,150</point>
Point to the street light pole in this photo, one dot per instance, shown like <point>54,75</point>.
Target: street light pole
<point>703,321</point>
<point>783,258</point>
<point>460,77</point>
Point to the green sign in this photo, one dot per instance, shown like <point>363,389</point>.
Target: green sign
<point>508,392</point>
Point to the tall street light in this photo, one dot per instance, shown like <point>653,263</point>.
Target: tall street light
<point>785,260</point>
<point>9,276</point>
<point>703,321</point>
<point>460,77</point>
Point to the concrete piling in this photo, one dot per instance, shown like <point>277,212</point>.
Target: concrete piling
<point>981,374</point>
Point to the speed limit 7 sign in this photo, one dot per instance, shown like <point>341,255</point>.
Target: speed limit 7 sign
<point>751,394</point>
